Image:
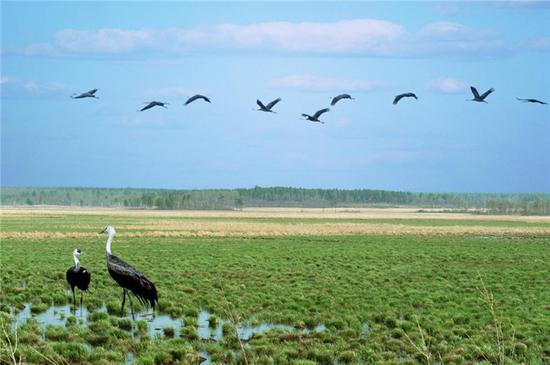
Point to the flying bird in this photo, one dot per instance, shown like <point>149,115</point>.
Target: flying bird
<point>129,278</point>
<point>340,97</point>
<point>267,108</point>
<point>87,94</point>
<point>153,104</point>
<point>404,95</point>
<point>195,97</point>
<point>480,98</point>
<point>315,117</point>
<point>532,101</point>
<point>78,276</point>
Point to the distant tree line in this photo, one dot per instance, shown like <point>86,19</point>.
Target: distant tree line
<point>204,199</point>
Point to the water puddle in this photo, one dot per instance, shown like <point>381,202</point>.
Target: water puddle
<point>159,325</point>
<point>130,358</point>
<point>205,357</point>
<point>365,329</point>
<point>245,333</point>
<point>54,315</point>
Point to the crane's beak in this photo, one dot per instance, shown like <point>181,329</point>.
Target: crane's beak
<point>103,231</point>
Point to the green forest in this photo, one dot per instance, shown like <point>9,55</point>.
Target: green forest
<point>205,199</point>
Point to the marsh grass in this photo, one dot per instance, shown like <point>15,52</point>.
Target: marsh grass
<point>382,298</point>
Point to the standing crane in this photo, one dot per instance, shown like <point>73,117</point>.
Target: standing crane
<point>152,104</point>
<point>78,276</point>
<point>480,98</point>
<point>315,117</point>
<point>196,97</point>
<point>404,95</point>
<point>340,97</point>
<point>129,278</point>
<point>267,108</point>
<point>87,94</point>
<point>532,101</point>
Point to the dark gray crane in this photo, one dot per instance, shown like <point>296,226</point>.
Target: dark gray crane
<point>267,108</point>
<point>404,95</point>
<point>532,101</point>
<point>480,98</point>
<point>78,276</point>
<point>129,278</point>
<point>340,97</point>
<point>196,97</point>
<point>87,94</point>
<point>152,104</point>
<point>315,117</point>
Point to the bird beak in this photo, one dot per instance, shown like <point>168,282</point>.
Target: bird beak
<point>82,253</point>
<point>102,231</point>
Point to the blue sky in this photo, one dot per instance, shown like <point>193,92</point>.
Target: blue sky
<point>303,52</point>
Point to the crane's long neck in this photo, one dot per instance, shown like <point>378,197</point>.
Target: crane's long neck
<point>76,262</point>
<point>109,240</point>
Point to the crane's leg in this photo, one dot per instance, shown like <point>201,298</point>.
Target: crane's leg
<point>81,297</point>
<point>74,299</point>
<point>131,306</point>
<point>123,301</point>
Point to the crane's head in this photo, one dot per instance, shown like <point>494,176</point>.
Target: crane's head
<point>109,230</point>
<point>77,252</point>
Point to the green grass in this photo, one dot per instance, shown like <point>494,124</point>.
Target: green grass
<point>422,297</point>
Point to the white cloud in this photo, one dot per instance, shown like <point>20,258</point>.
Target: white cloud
<point>15,87</point>
<point>447,85</point>
<point>368,37</point>
<point>539,44</point>
<point>317,83</point>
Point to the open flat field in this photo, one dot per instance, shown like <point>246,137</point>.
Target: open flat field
<point>283,286</point>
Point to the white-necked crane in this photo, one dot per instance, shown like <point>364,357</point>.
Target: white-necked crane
<point>480,98</point>
<point>196,97</point>
<point>404,95</point>
<point>129,278</point>
<point>78,276</point>
<point>315,117</point>
<point>87,94</point>
<point>267,108</point>
<point>532,101</point>
<point>340,97</point>
<point>152,104</point>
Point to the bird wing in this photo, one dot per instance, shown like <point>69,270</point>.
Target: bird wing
<point>397,98</point>
<point>148,106</point>
<point>272,104</point>
<point>486,93</point>
<point>474,91</point>
<point>413,95</point>
<point>260,104</point>
<point>319,112</point>
<point>195,97</point>
<point>336,99</point>
<point>93,91</point>
<point>128,277</point>
<point>191,99</point>
<point>306,115</point>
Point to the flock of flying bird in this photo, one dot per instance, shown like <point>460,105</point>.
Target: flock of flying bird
<point>312,118</point>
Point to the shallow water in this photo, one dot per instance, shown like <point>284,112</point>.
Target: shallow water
<point>246,332</point>
<point>58,315</point>
<point>208,358</point>
<point>54,315</point>
<point>155,326</point>
<point>130,358</point>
